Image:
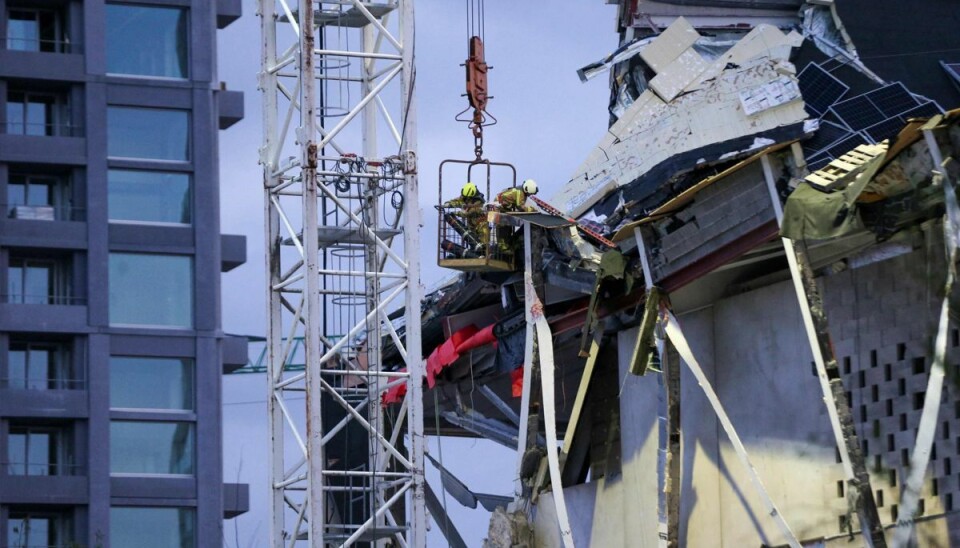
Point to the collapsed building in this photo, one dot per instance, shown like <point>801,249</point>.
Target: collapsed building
<point>767,351</point>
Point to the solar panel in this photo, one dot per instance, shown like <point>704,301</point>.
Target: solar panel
<point>858,113</point>
<point>817,161</point>
<point>925,110</point>
<point>887,129</point>
<point>953,69</point>
<point>846,145</point>
<point>828,134</point>
<point>820,89</point>
<point>892,99</point>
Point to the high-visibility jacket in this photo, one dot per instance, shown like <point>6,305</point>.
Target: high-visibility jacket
<point>513,199</point>
<point>472,213</point>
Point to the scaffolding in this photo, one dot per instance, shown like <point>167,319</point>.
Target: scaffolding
<point>341,237</point>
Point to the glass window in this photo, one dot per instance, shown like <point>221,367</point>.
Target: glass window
<point>152,527</point>
<point>30,281</point>
<point>151,447</point>
<point>149,133</point>
<point>151,289</point>
<point>38,451</point>
<point>149,196</point>
<point>151,383</point>
<point>37,113</point>
<point>35,30</point>
<point>39,366</point>
<point>39,528</point>
<point>38,197</point>
<point>38,280</point>
<point>147,41</point>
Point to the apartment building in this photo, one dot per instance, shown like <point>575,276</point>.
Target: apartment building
<point>111,347</point>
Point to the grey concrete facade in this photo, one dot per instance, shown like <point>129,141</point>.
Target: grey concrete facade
<point>80,241</point>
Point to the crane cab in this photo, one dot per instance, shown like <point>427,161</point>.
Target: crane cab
<point>470,236</point>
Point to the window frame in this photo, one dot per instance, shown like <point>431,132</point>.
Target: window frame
<point>168,420</point>
<point>59,288</point>
<point>58,375</point>
<point>187,413</point>
<point>192,313</point>
<point>112,159</point>
<point>60,523</point>
<point>190,510</point>
<point>57,121</point>
<point>60,458</point>
<point>60,41</point>
<point>58,188</point>
<point>189,195</point>
<point>187,14</point>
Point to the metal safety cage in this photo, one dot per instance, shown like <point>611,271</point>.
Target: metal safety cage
<point>342,226</point>
<point>471,239</point>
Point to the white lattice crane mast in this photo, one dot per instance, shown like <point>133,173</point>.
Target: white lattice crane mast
<point>333,74</point>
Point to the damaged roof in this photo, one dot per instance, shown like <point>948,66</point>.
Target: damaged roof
<point>703,122</point>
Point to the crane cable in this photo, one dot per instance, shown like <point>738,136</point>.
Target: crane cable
<point>476,25</point>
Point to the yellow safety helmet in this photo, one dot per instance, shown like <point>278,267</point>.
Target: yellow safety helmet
<point>469,190</point>
<point>530,187</point>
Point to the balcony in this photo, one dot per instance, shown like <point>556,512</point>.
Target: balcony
<point>39,279</point>
<point>40,124</point>
<point>41,526</point>
<point>39,42</point>
<point>39,293</point>
<point>230,104</point>
<point>41,196</point>
<point>228,11</point>
<point>41,210</point>
<point>43,376</point>
<point>39,465</point>
<point>40,113</point>
<point>38,29</point>
<point>236,499</point>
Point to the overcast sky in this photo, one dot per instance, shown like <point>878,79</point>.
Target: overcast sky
<point>548,122</point>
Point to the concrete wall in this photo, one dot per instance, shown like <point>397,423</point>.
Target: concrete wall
<point>753,348</point>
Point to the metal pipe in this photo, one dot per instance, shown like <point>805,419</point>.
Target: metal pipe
<point>358,54</point>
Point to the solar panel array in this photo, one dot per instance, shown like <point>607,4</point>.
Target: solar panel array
<point>820,89</point>
<point>953,70</point>
<point>846,122</point>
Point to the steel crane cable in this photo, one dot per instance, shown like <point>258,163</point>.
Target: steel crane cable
<point>476,15</point>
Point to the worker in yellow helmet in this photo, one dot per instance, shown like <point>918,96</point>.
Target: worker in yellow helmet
<point>469,211</point>
<point>515,198</point>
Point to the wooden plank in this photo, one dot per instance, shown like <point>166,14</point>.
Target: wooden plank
<point>581,394</point>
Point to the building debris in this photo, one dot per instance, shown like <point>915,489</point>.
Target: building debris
<point>759,178</point>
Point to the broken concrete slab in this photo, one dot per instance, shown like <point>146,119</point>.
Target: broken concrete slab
<point>655,130</point>
<point>679,74</point>
<point>663,51</point>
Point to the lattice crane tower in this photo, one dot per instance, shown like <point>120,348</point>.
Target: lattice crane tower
<point>341,226</point>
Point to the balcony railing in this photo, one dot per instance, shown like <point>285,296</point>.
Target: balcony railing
<point>21,383</point>
<point>44,212</point>
<point>41,469</point>
<point>41,129</point>
<point>62,545</point>
<point>50,46</point>
<point>19,298</point>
